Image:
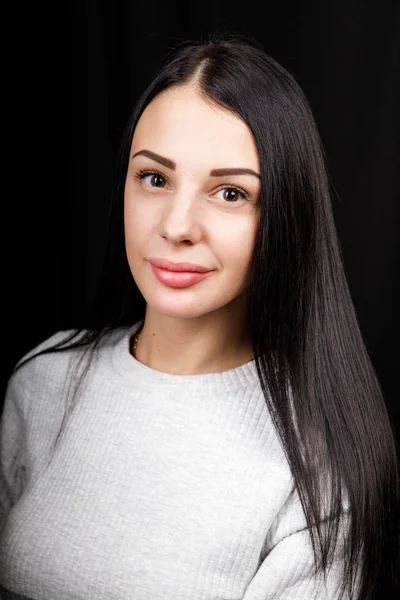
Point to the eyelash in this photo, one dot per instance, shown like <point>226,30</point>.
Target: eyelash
<point>144,173</point>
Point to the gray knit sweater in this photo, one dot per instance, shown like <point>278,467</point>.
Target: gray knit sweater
<point>161,487</point>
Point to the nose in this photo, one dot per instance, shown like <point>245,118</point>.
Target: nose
<point>180,220</point>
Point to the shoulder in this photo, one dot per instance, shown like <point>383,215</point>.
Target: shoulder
<point>46,347</point>
<point>53,340</point>
<point>38,390</point>
<point>52,357</point>
<point>41,361</point>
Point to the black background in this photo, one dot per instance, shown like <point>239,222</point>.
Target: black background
<point>72,72</point>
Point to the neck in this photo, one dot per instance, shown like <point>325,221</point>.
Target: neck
<point>192,346</point>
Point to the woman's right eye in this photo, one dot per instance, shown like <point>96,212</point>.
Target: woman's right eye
<point>154,179</point>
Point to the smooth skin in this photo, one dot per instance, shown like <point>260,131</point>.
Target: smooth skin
<point>179,210</point>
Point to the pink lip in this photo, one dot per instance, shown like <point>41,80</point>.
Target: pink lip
<point>178,279</point>
<point>186,267</point>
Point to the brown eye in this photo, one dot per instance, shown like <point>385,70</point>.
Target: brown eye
<point>157,180</point>
<point>230,194</point>
<point>152,178</point>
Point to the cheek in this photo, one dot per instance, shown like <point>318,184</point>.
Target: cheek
<point>135,220</point>
<point>134,233</point>
<point>130,220</point>
<point>236,246</point>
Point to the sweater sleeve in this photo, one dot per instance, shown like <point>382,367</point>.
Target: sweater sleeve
<point>21,417</point>
<point>13,449</point>
<point>287,569</point>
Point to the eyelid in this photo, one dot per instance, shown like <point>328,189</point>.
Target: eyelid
<point>145,172</point>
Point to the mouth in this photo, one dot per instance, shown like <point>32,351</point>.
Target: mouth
<point>178,279</point>
<point>185,267</point>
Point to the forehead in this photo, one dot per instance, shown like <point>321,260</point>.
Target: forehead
<point>180,124</point>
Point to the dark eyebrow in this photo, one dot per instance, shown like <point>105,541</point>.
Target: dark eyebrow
<point>160,159</point>
<point>238,171</point>
<point>167,162</point>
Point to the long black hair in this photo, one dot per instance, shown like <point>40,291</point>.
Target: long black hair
<point>316,375</point>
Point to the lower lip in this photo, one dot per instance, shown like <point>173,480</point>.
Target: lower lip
<point>178,279</point>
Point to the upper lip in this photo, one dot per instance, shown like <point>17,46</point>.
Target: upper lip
<point>162,263</point>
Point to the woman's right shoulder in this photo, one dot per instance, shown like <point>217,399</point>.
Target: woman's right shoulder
<point>48,357</point>
<point>52,358</point>
<point>37,382</point>
<point>62,349</point>
<point>44,374</point>
<point>53,341</point>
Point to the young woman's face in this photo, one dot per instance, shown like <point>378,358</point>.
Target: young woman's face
<point>182,204</point>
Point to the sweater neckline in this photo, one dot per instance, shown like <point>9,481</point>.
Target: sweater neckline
<point>128,366</point>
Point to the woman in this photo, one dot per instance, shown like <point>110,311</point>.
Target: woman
<point>217,430</point>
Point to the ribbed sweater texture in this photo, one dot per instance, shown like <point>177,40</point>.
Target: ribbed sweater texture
<point>160,486</point>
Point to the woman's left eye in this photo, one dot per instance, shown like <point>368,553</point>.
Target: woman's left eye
<point>233,194</point>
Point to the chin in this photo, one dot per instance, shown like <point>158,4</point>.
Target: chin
<point>178,312</point>
<point>185,307</point>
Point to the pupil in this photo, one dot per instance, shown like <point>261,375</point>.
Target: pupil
<point>157,180</point>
